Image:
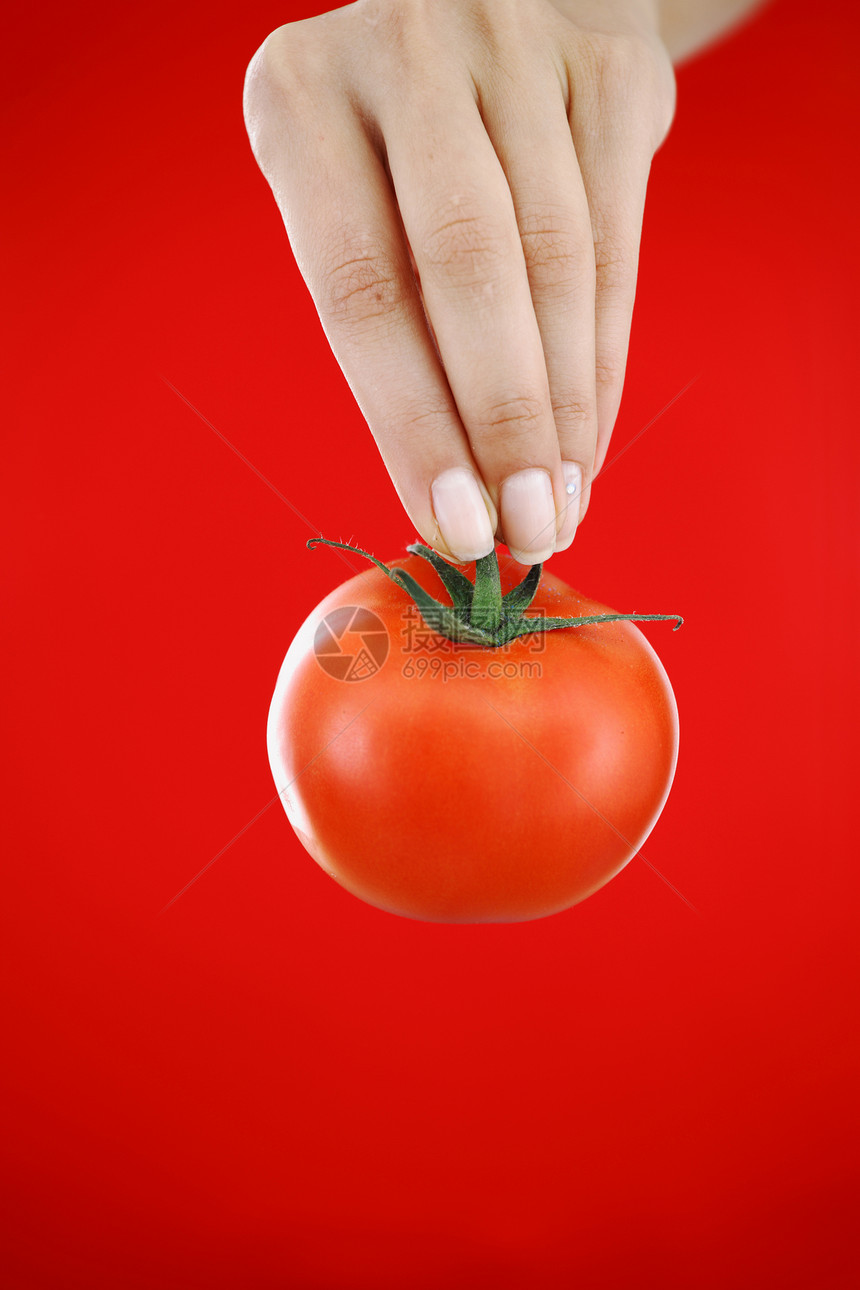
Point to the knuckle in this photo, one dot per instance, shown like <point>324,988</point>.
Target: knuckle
<point>403,34</point>
<point>575,413</point>
<point>467,247</point>
<point>665,103</point>
<point>609,369</point>
<point>258,90</point>
<point>290,68</point>
<point>553,251</point>
<point>630,81</point>
<point>360,284</point>
<point>279,47</point>
<point>515,419</point>
<point>614,265</point>
<point>663,93</point>
<point>415,426</point>
<point>615,63</point>
<point>280,59</point>
<point>281,87</point>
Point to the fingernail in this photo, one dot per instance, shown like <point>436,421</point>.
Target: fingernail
<point>572,472</point>
<point>461,514</point>
<point>528,515</point>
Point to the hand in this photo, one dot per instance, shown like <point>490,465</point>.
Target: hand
<point>462,183</point>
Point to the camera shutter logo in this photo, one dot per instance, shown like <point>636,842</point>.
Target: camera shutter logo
<point>351,643</point>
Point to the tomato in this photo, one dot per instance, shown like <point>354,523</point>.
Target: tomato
<point>445,781</point>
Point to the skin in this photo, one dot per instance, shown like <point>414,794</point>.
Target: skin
<point>463,185</point>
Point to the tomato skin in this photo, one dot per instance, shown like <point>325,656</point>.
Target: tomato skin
<point>478,795</point>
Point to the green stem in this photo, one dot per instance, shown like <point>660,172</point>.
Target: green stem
<point>486,611</point>
<point>478,613</point>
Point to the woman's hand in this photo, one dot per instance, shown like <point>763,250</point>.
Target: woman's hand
<point>463,182</point>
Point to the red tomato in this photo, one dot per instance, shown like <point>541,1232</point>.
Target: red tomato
<point>458,784</point>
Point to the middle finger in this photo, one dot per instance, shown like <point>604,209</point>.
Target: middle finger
<point>460,219</point>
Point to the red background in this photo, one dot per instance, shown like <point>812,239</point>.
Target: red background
<point>270,1084</point>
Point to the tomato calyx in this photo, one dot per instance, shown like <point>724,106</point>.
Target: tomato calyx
<point>479,612</point>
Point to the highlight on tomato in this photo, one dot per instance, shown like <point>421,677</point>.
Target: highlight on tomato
<point>496,755</point>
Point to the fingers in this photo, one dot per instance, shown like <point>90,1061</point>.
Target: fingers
<point>619,114</point>
<point>555,232</point>
<point>355,260</point>
<point>470,240</point>
<point>460,218</point>
<point>615,177</point>
<point>361,280</point>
